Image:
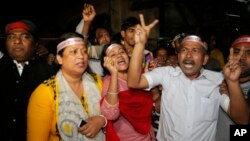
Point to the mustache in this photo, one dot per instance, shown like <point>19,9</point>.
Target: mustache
<point>245,73</point>
<point>187,61</point>
<point>242,63</point>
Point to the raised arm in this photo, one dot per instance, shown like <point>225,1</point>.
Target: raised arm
<point>238,107</point>
<point>112,93</point>
<point>135,77</point>
<point>88,15</point>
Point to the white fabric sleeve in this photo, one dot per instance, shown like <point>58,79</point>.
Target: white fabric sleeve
<point>80,26</point>
<point>149,82</point>
<point>224,102</point>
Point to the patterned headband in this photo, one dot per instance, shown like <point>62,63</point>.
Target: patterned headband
<point>196,39</point>
<point>68,42</point>
<point>109,48</point>
<point>241,40</point>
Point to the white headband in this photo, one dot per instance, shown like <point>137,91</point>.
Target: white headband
<point>196,39</point>
<point>68,42</point>
<point>109,48</point>
<point>179,36</point>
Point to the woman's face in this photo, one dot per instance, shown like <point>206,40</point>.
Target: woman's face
<point>74,59</point>
<point>119,57</point>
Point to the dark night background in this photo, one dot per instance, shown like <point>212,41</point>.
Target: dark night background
<point>50,16</point>
<point>53,17</point>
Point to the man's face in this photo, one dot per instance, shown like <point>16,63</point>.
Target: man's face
<point>191,58</point>
<point>128,36</point>
<point>20,44</point>
<point>161,57</point>
<point>245,59</point>
<point>102,36</point>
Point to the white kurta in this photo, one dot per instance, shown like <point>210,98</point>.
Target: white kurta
<point>189,108</point>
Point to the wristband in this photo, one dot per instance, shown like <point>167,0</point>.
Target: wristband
<point>106,122</point>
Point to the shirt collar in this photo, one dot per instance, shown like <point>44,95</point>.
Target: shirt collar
<point>215,77</point>
<point>204,74</point>
<point>18,63</point>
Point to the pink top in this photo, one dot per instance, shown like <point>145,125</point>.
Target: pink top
<point>124,129</point>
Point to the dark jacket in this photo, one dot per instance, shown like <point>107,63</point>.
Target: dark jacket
<point>15,91</point>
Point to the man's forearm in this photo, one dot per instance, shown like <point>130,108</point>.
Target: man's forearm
<point>238,109</point>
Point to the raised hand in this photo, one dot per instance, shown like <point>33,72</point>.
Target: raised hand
<point>148,27</point>
<point>141,35</point>
<point>109,65</point>
<point>232,69</point>
<point>88,12</point>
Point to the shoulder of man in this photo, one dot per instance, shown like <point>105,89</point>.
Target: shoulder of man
<point>216,77</point>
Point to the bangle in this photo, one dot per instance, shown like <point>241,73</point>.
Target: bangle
<point>85,36</point>
<point>106,122</point>
<point>112,93</point>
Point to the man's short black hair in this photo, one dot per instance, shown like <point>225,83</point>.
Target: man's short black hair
<point>129,22</point>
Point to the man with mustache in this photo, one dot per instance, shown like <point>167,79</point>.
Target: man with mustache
<point>244,41</point>
<point>224,120</point>
<point>190,94</point>
<point>20,72</point>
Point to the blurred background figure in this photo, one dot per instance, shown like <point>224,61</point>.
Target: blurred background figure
<point>97,31</point>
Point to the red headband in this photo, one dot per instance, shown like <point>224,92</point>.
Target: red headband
<point>241,40</point>
<point>16,25</point>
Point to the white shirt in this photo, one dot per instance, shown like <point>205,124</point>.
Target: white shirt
<point>245,88</point>
<point>95,66</point>
<point>20,66</point>
<point>94,52</point>
<point>189,108</point>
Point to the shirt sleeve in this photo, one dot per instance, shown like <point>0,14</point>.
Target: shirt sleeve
<point>106,81</point>
<point>111,112</point>
<point>224,102</point>
<point>40,114</point>
<point>155,76</point>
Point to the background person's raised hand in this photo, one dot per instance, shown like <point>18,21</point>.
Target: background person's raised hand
<point>232,69</point>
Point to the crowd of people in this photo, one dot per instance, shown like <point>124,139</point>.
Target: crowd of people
<point>112,88</point>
